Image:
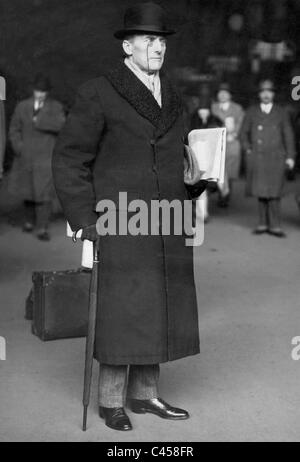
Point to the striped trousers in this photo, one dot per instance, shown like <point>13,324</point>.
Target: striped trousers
<point>117,383</point>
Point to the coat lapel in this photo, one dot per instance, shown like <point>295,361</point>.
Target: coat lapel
<point>171,106</point>
<point>127,84</point>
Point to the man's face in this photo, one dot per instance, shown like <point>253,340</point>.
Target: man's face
<point>266,96</point>
<point>146,51</point>
<point>204,113</point>
<point>40,95</point>
<point>224,96</point>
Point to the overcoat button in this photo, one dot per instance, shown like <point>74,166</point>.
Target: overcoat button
<point>260,127</point>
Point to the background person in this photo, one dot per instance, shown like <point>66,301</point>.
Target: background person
<point>33,131</point>
<point>203,118</point>
<point>2,138</point>
<point>232,115</point>
<point>268,140</point>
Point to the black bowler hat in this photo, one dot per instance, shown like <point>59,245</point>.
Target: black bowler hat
<point>41,83</point>
<point>224,86</point>
<point>144,18</point>
<point>268,85</point>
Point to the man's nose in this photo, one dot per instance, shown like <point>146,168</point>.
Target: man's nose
<point>157,46</point>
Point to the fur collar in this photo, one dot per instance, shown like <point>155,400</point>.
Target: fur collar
<point>127,84</point>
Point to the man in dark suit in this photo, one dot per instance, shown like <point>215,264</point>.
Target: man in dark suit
<point>125,134</point>
<point>268,140</point>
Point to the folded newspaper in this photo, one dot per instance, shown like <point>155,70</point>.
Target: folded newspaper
<point>206,152</point>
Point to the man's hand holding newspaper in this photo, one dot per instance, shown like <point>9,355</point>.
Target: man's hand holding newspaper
<point>205,156</point>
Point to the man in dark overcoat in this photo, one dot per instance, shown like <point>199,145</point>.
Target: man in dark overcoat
<point>268,139</point>
<point>125,134</point>
<point>33,131</point>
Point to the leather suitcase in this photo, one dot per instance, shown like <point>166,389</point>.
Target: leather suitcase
<point>60,304</point>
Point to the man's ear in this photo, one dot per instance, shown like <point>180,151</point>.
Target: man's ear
<point>127,47</point>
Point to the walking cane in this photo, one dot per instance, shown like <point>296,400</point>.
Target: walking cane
<point>90,340</point>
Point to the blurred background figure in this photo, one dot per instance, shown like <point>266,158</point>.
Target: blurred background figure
<point>2,138</point>
<point>268,139</point>
<point>203,118</point>
<point>33,131</point>
<point>232,116</point>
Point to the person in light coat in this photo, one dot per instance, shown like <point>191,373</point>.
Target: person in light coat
<point>232,115</point>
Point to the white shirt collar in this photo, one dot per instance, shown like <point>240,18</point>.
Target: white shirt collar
<point>151,81</point>
<point>225,106</point>
<point>38,104</point>
<point>267,108</point>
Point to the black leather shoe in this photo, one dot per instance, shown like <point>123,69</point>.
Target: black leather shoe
<point>27,228</point>
<point>277,233</point>
<point>158,407</point>
<point>115,418</point>
<point>260,230</point>
<point>43,236</point>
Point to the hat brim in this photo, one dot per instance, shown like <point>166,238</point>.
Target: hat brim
<point>121,34</point>
<point>272,89</point>
<point>225,89</point>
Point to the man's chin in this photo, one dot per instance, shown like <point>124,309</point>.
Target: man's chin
<point>155,67</point>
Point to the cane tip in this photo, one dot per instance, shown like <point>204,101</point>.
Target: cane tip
<point>84,420</point>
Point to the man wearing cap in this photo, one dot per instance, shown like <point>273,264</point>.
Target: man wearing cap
<point>268,140</point>
<point>125,134</point>
<point>232,115</point>
<point>33,131</point>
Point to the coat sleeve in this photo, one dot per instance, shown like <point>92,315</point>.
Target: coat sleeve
<point>74,155</point>
<point>2,137</point>
<point>15,130</point>
<point>288,135</point>
<point>245,133</point>
<point>239,119</point>
<point>51,119</point>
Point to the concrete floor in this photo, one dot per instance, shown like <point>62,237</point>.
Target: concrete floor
<point>243,387</point>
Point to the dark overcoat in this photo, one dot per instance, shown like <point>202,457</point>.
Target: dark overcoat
<point>118,139</point>
<point>33,143</point>
<point>270,141</point>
